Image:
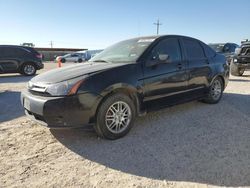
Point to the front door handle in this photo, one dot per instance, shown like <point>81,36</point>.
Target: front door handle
<point>179,65</point>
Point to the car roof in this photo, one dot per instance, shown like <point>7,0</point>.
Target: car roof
<point>17,46</point>
<point>163,36</point>
<point>156,37</point>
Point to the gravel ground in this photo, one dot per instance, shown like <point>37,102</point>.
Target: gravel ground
<point>188,145</point>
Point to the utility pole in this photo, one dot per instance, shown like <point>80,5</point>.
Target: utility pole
<point>51,44</point>
<point>158,26</point>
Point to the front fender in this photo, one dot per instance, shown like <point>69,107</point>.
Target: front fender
<point>135,94</point>
<point>118,86</point>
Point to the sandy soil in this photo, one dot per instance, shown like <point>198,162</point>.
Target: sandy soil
<point>189,145</point>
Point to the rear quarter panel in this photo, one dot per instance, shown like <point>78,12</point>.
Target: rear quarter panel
<point>220,68</point>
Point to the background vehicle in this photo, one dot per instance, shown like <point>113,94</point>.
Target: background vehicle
<point>227,49</point>
<point>19,59</point>
<point>78,57</point>
<point>126,80</point>
<point>241,60</point>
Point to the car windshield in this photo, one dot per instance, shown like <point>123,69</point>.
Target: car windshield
<point>217,47</point>
<point>125,51</point>
<point>67,55</point>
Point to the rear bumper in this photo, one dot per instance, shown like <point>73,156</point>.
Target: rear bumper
<point>39,65</point>
<point>61,112</point>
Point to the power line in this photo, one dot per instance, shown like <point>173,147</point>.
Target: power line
<point>157,26</point>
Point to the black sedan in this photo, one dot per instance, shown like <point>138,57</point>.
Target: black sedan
<point>127,79</point>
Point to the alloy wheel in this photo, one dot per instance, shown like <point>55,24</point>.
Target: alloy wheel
<point>216,89</point>
<point>29,69</point>
<point>118,117</point>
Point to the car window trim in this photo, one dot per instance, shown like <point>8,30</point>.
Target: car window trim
<point>146,58</point>
<point>185,51</point>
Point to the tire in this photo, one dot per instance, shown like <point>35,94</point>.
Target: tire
<point>236,71</point>
<point>28,69</point>
<point>112,123</point>
<point>215,91</point>
<point>63,60</point>
<point>79,60</point>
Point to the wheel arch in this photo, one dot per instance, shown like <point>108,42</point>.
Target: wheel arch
<point>126,89</point>
<point>221,77</point>
<point>26,62</point>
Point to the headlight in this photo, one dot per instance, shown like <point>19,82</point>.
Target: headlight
<point>235,60</point>
<point>68,87</point>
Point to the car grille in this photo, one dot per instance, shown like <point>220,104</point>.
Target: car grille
<point>37,89</point>
<point>43,94</point>
<point>245,51</point>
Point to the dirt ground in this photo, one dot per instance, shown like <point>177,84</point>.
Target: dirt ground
<point>188,145</point>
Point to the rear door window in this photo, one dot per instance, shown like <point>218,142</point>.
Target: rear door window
<point>5,52</point>
<point>74,55</point>
<point>19,52</point>
<point>193,49</point>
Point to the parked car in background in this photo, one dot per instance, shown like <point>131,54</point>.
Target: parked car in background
<point>78,57</point>
<point>19,59</point>
<point>74,57</point>
<point>241,60</point>
<point>127,79</point>
<point>91,53</point>
<point>227,49</point>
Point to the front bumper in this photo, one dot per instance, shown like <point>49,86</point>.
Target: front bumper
<point>243,65</point>
<point>242,62</point>
<point>61,112</point>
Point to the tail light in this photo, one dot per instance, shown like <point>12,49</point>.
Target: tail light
<point>40,56</point>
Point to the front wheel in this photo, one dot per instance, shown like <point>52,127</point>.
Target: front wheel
<point>115,117</point>
<point>215,91</point>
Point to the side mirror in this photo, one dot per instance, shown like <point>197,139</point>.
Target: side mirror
<point>163,57</point>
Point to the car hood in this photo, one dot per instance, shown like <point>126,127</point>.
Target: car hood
<point>72,71</point>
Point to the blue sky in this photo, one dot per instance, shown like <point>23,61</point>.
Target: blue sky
<point>97,23</point>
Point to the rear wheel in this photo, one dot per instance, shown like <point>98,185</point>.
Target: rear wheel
<point>79,60</point>
<point>115,117</point>
<point>215,91</point>
<point>28,69</point>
